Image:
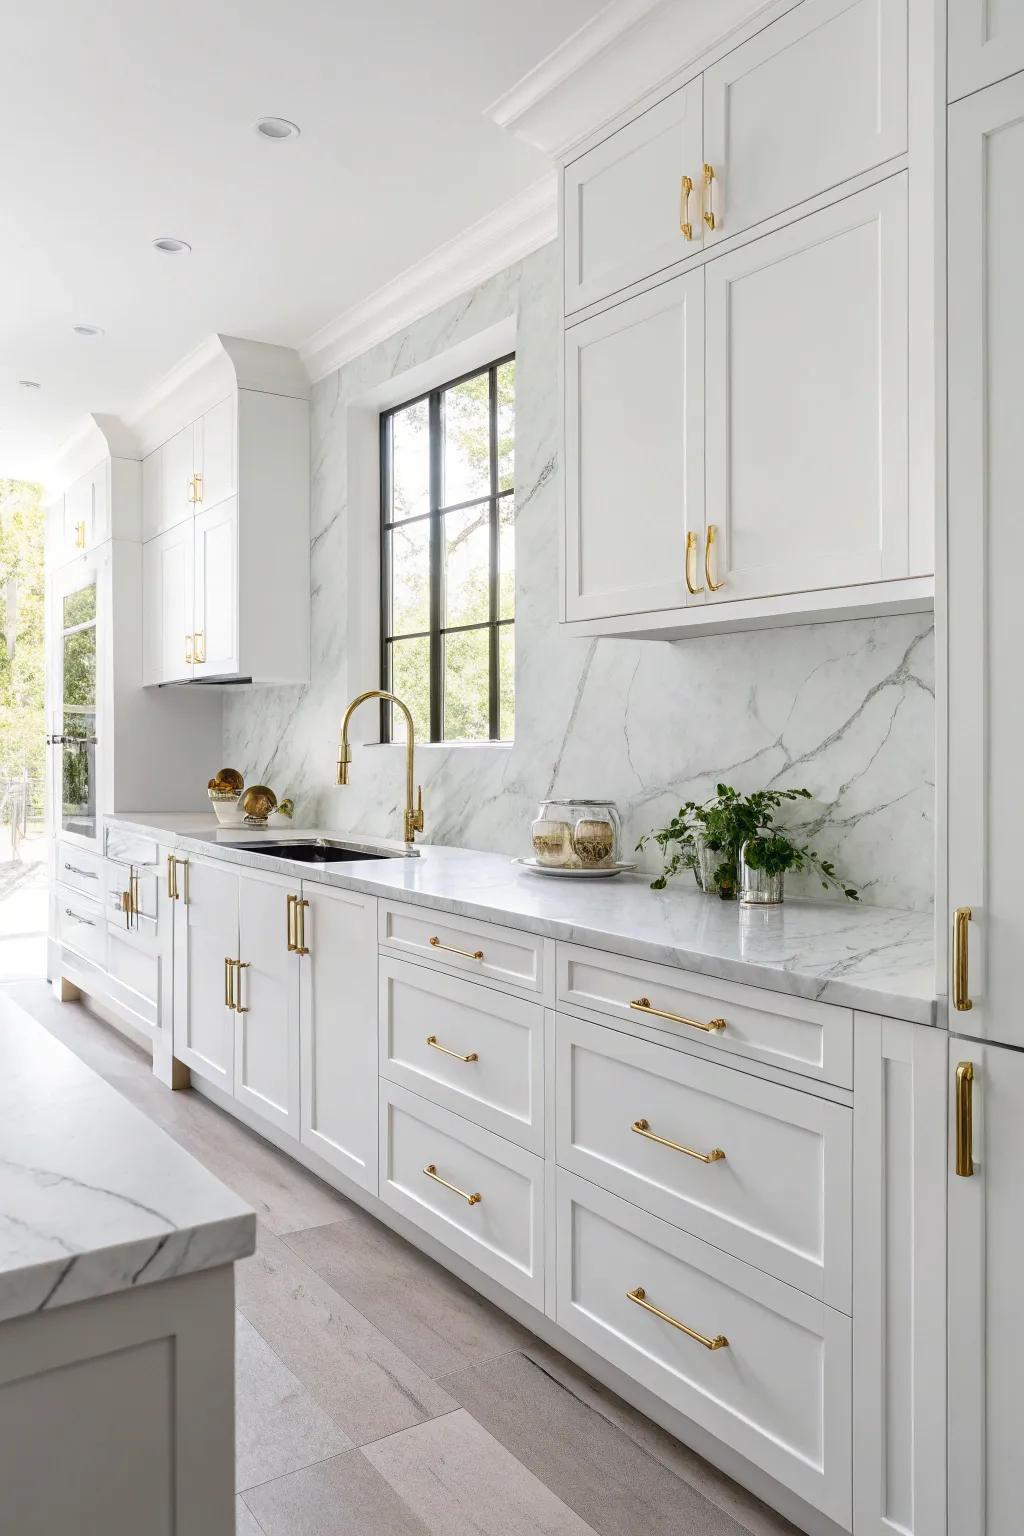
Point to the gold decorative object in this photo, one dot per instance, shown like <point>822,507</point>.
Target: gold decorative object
<point>257,803</point>
<point>232,779</point>
<point>286,808</point>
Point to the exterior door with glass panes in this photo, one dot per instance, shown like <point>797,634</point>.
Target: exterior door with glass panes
<point>74,708</point>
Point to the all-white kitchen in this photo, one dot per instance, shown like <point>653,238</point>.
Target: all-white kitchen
<point>526,1034</point>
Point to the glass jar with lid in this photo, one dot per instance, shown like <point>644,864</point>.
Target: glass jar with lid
<point>577,834</point>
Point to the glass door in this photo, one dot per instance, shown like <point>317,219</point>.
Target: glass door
<point>76,734</point>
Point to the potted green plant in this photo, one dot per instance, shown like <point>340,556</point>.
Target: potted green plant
<point>732,838</point>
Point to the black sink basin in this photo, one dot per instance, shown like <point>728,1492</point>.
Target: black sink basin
<point>314,852</point>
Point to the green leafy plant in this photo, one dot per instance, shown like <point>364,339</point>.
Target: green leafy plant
<point>724,824</point>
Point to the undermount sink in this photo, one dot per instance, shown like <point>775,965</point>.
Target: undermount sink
<point>323,850</point>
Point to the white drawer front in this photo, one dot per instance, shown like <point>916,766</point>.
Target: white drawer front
<point>477,1051</point>
<point>129,847</point>
<point>777,1189</point>
<point>465,945</point>
<point>779,1390</point>
<point>815,1039</point>
<point>134,882</point>
<point>81,869</point>
<point>501,1232</point>
<point>133,965</point>
<point>81,924</point>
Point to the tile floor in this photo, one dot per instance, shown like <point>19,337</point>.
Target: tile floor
<point>379,1396</point>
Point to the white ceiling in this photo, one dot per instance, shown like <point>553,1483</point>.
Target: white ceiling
<point>131,119</point>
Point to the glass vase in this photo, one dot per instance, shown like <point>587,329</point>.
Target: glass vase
<point>758,888</point>
<point>715,870</point>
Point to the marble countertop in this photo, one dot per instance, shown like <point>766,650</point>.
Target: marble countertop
<point>878,959</point>
<point>94,1198</point>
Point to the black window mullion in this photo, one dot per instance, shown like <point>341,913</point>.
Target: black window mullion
<point>436,571</point>
<point>493,714</point>
<point>385,573</point>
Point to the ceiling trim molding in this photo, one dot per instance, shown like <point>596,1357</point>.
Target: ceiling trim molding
<point>514,230</point>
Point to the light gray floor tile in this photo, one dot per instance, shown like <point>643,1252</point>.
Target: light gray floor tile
<point>278,1425</point>
<point>461,1482</point>
<point>246,1523</point>
<point>430,1314</point>
<point>345,1496</point>
<point>358,1376</point>
<point>98,1044</point>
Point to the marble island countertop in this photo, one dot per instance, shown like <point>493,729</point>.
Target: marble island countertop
<point>94,1198</point>
<point>877,959</point>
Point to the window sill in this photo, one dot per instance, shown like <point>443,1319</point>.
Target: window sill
<point>443,746</point>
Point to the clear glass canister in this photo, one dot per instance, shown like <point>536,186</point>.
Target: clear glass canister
<point>577,834</point>
<point>759,887</point>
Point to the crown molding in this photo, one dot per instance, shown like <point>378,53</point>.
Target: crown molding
<point>512,231</point>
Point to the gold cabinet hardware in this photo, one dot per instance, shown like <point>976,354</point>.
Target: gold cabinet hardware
<point>240,966</point>
<point>79,535</point>
<point>229,983</point>
<point>189,639</point>
<point>292,945</point>
<point>433,1041</point>
<point>640,1297</point>
<point>197,481</point>
<point>644,1005</point>
<point>965,1119</point>
<point>172,878</point>
<point>643,1128</point>
<point>300,925</point>
<point>708,189</point>
<point>685,188</point>
<point>467,954</point>
<point>126,907</point>
<point>200,646</point>
<point>961,961</point>
<point>431,1172</point>
<point>192,490</point>
<point>709,544</point>
<point>691,564</point>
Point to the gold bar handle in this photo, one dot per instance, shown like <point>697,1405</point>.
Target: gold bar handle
<point>965,1119</point>
<point>200,641</point>
<point>184,887</point>
<point>467,954</point>
<point>708,187</point>
<point>300,925</point>
<point>192,491</point>
<point>292,945</point>
<point>643,1005</point>
<point>189,639</point>
<point>640,1297</point>
<point>961,961</point>
<point>229,989</point>
<point>643,1128</point>
<point>432,1040</point>
<point>197,481</point>
<point>691,564</point>
<point>172,878</point>
<point>685,188</point>
<point>709,544</point>
<point>431,1172</point>
<point>240,966</point>
<point>79,535</point>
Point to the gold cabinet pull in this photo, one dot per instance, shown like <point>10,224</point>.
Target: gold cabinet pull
<point>189,639</point>
<point>229,980</point>
<point>965,1119</point>
<point>961,961</point>
<point>709,544</point>
<point>192,490</point>
<point>431,1172</point>
<point>172,878</point>
<point>691,564</point>
<point>79,535</point>
<point>643,1128</point>
<point>467,954</point>
<point>240,966</point>
<point>685,188</point>
<point>200,644</point>
<point>292,945</point>
<point>644,1005</point>
<point>197,481</point>
<point>433,1041</point>
<point>708,189</point>
<point>184,883</point>
<point>640,1297</point>
<point>300,925</point>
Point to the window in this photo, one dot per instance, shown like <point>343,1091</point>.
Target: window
<point>448,558</point>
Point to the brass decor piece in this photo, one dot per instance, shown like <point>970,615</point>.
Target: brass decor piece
<point>709,544</point>
<point>431,1172</point>
<point>640,1297</point>
<point>965,1119</point>
<point>644,1005</point>
<point>257,803</point>
<point>961,961</point>
<point>643,1128</point>
<point>467,954</point>
<point>708,186</point>
<point>432,1040</point>
<point>685,188</point>
<point>691,564</point>
<point>412,821</point>
<point>228,778</point>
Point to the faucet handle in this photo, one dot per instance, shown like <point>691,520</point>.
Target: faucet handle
<point>419,809</point>
<point>344,758</point>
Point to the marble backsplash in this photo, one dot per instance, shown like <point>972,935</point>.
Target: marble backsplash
<point>845,709</point>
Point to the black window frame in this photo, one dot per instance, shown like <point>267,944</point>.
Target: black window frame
<point>435,513</point>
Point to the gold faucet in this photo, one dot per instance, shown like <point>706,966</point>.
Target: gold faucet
<point>413,820</point>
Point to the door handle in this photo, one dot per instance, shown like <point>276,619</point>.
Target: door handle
<point>229,983</point>
<point>707,191</point>
<point>240,966</point>
<point>961,961</point>
<point>965,1119</point>
<point>709,544</point>
<point>691,564</point>
<point>685,189</point>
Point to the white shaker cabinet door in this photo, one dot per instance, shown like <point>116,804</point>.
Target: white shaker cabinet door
<point>810,101</point>
<point>205,938</point>
<point>177,489</point>
<point>634,437</point>
<point>215,455</point>
<point>267,1002</point>
<point>216,590</point>
<point>986,43</point>
<point>807,426</point>
<point>628,210</point>
<point>339,1030</point>
<point>167,592</point>
<point>986,555</point>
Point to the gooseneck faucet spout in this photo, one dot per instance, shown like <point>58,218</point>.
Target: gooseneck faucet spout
<point>413,819</point>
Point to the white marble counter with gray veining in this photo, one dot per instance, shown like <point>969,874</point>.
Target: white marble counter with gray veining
<point>94,1198</point>
<point>877,959</point>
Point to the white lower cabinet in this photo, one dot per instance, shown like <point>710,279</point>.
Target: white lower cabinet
<point>266,985</point>
<point>205,943</point>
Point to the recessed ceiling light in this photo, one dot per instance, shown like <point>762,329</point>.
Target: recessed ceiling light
<point>29,384</point>
<point>87,330</point>
<point>277,128</point>
<point>170,246</point>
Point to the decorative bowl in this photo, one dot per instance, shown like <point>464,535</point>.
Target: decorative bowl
<point>226,807</point>
<point>257,803</point>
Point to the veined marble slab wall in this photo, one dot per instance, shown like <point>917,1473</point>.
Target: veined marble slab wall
<point>845,709</point>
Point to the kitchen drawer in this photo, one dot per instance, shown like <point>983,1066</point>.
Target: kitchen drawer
<point>134,964</point>
<point>132,880</point>
<point>463,944</point>
<point>777,1190</point>
<point>130,847</point>
<point>814,1039</point>
<point>78,868</point>
<point>777,1389</point>
<point>81,924</point>
<point>502,1230</point>
<point>472,1049</point>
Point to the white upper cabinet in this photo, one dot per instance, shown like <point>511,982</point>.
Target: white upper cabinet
<point>806,104</point>
<point>193,469</point>
<point>85,522</point>
<point>807,403</point>
<point>215,613</point>
<point>634,467</point>
<point>631,204</point>
<point>986,43</point>
<point>214,451</point>
<point>168,644</point>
